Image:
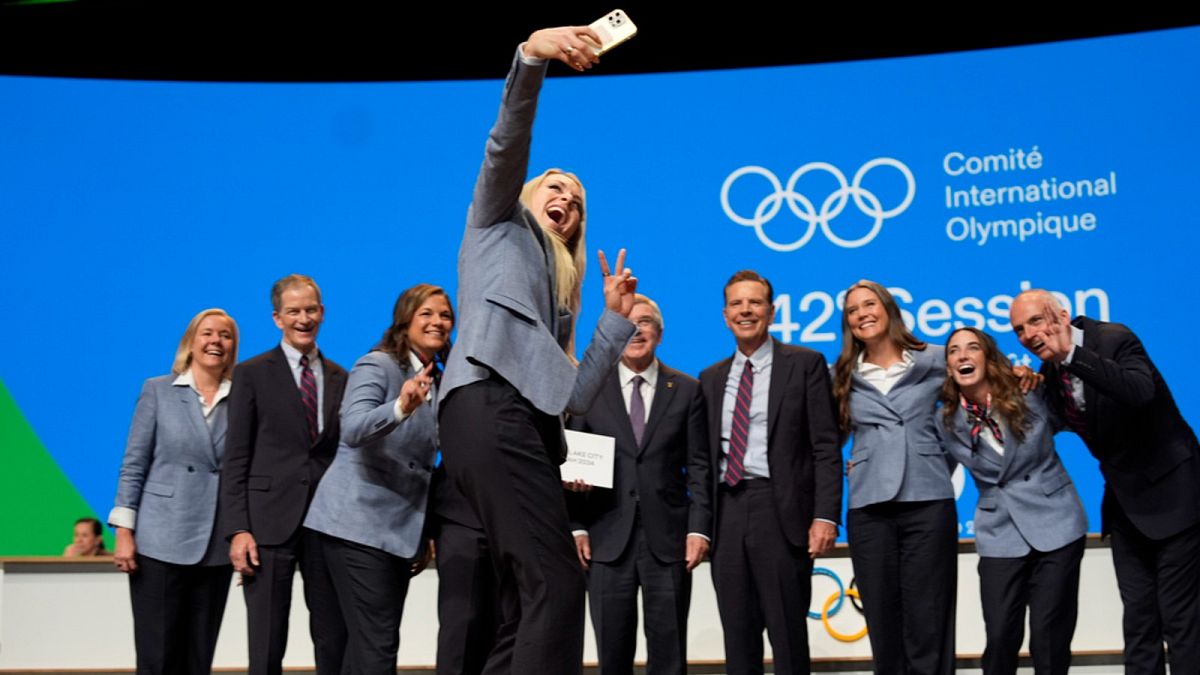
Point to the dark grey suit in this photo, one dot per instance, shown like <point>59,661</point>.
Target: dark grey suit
<point>1151,464</point>
<point>760,561</point>
<point>271,471</point>
<point>637,529</point>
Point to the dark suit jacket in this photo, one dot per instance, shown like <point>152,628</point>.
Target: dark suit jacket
<point>271,469</point>
<point>1148,453</point>
<point>802,438</point>
<point>657,476</point>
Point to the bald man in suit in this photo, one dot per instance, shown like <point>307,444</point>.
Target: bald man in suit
<point>1101,380</point>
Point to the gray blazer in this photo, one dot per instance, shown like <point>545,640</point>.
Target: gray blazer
<point>1026,499</point>
<point>171,472</point>
<point>896,454</point>
<point>376,491</point>
<point>508,320</point>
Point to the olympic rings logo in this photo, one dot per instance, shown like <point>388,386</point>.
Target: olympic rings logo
<point>834,603</point>
<point>831,207</point>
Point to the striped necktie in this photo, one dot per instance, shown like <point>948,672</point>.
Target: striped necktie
<point>739,430</point>
<point>308,396</point>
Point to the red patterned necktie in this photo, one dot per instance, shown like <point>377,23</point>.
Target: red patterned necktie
<point>979,415</point>
<point>1075,417</point>
<point>739,430</point>
<point>308,396</point>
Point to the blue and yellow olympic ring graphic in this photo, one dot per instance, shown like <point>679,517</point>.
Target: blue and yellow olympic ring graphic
<point>834,603</point>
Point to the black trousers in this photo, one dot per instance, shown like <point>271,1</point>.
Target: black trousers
<point>177,612</point>
<point>468,602</point>
<point>502,453</point>
<point>905,558</point>
<point>371,587</point>
<point>761,581</point>
<point>1048,584</point>
<point>666,596</point>
<point>1160,589</point>
<point>269,602</point>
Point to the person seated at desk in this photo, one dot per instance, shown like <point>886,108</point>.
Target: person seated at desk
<point>88,541</point>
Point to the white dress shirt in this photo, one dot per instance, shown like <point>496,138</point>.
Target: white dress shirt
<point>186,379</point>
<point>650,375</point>
<point>882,378</point>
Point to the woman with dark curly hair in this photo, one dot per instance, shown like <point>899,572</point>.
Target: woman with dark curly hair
<point>1029,522</point>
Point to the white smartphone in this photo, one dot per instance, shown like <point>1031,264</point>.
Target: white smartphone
<point>613,28</point>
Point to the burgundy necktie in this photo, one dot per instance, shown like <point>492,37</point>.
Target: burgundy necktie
<point>308,396</point>
<point>637,410</point>
<point>739,430</point>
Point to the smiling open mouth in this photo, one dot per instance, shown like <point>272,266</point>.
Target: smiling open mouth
<point>966,369</point>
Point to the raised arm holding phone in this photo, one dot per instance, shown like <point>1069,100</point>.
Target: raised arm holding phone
<point>512,372</point>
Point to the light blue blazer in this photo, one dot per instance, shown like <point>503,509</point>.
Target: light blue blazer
<point>170,472</point>
<point>896,454</point>
<point>508,319</point>
<point>1026,499</point>
<point>376,492</point>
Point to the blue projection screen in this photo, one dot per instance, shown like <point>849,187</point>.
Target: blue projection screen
<point>957,180</point>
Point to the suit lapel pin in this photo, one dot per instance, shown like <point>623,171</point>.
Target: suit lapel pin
<point>670,385</point>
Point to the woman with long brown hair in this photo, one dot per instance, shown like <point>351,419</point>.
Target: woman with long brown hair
<point>902,524</point>
<point>1029,522</point>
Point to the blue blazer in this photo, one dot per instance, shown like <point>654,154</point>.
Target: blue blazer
<point>171,472</point>
<point>508,319</point>
<point>377,489</point>
<point>896,454</point>
<point>1026,499</point>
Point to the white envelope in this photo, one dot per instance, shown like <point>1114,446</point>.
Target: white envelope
<point>590,458</point>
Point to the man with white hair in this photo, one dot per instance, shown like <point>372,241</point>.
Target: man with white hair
<point>653,527</point>
<point>1100,379</point>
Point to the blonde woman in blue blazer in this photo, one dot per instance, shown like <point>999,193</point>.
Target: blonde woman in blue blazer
<point>512,373</point>
<point>902,524</point>
<point>370,506</point>
<point>166,503</point>
<point>1029,522</point>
